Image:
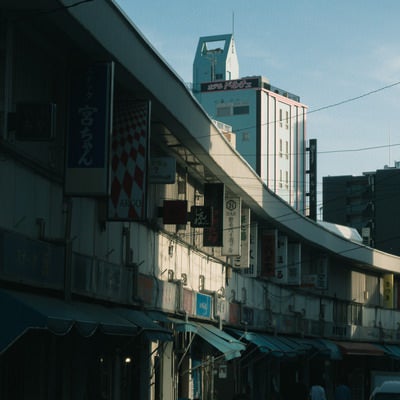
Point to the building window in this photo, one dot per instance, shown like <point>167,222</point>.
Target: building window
<point>287,149</point>
<point>224,110</point>
<point>340,312</point>
<point>347,313</point>
<point>280,147</point>
<point>287,179</point>
<point>280,178</point>
<point>355,314</point>
<point>287,120</point>
<point>280,117</point>
<point>241,110</point>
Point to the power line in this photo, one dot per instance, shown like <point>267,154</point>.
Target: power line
<point>351,99</point>
<point>360,149</point>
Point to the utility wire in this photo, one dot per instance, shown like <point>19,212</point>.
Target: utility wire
<point>351,99</point>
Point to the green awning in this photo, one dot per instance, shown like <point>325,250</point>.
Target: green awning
<point>289,346</point>
<point>229,346</point>
<point>320,346</point>
<point>218,338</point>
<point>21,311</point>
<point>269,344</point>
<point>151,329</point>
<point>183,326</point>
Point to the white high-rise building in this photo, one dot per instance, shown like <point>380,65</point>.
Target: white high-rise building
<point>269,123</point>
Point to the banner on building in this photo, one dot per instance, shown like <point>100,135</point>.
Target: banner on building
<point>88,138</point>
<point>129,161</point>
<point>243,261</point>
<point>214,194</point>
<point>237,84</point>
<point>231,226</point>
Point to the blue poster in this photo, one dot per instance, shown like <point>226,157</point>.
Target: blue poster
<point>203,305</point>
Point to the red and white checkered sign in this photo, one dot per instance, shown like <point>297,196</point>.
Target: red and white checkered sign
<point>129,161</point>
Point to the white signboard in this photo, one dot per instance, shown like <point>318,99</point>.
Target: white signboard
<point>252,268</point>
<point>281,270</point>
<point>162,170</point>
<point>231,226</point>
<point>243,260</point>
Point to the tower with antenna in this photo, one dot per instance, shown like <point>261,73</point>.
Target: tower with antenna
<point>215,60</point>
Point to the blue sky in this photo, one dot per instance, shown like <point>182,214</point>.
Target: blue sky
<point>326,52</point>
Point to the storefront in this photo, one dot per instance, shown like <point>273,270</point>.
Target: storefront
<point>206,360</point>
<point>50,348</point>
<point>274,364</point>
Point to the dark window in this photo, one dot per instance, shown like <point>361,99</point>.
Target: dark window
<point>239,110</point>
<point>224,111</point>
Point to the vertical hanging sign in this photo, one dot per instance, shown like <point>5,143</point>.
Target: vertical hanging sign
<point>214,194</point>
<point>252,269</point>
<point>231,226</point>
<point>243,260</point>
<point>88,139</point>
<point>388,284</point>
<point>313,179</point>
<point>281,270</point>
<point>268,254</point>
<point>129,161</point>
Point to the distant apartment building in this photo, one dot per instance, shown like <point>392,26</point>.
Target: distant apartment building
<point>369,203</point>
<point>269,123</point>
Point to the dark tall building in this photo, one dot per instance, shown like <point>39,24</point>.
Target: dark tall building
<point>369,203</point>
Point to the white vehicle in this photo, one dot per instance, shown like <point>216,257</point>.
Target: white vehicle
<point>388,390</point>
